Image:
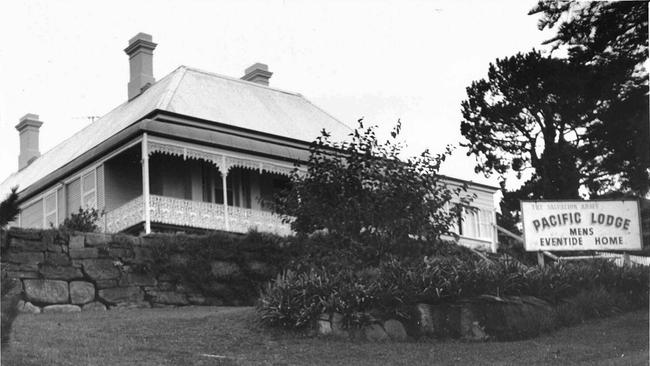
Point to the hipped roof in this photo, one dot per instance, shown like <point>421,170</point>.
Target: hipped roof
<point>199,94</point>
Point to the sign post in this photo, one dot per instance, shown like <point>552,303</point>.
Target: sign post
<point>581,225</point>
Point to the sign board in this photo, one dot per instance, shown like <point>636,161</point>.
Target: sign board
<point>581,225</point>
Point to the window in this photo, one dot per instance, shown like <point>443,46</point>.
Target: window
<point>50,210</point>
<point>32,215</point>
<point>89,190</point>
<point>73,192</point>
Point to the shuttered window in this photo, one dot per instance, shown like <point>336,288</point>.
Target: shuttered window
<point>60,200</point>
<point>100,188</point>
<point>73,191</point>
<point>32,215</point>
<point>50,210</point>
<point>89,191</point>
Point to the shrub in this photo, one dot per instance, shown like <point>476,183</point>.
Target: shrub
<point>296,299</point>
<point>84,220</point>
<point>362,189</point>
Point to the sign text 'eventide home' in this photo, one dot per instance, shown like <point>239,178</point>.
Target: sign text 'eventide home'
<point>581,225</point>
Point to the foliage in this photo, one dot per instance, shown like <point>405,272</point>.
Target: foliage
<point>612,37</point>
<point>84,220</point>
<point>362,189</point>
<point>296,299</point>
<point>9,208</point>
<point>530,114</point>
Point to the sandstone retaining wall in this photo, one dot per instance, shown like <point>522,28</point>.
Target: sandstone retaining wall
<point>67,272</point>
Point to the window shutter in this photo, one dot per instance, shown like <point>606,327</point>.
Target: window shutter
<point>73,190</point>
<point>50,210</point>
<point>89,192</point>
<point>32,215</point>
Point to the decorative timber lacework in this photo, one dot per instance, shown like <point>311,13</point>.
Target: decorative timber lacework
<point>222,161</point>
<point>202,215</point>
<point>129,214</point>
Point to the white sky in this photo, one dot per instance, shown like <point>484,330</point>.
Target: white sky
<point>381,60</point>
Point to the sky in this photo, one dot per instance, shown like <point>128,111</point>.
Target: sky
<point>380,60</point>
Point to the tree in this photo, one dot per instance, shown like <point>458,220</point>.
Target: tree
<point>612,37</point>
<point>531,113</point>
<point>363,190</point>
<point>9,208</point>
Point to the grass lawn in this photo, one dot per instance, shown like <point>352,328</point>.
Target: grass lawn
<point>229,336</point>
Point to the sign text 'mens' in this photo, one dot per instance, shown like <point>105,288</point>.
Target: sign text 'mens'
<point>581,225</point>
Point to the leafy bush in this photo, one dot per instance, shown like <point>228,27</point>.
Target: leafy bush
<point>84,220</point>
<point>9,208</point>
<point>362,189</point>
<point>296,299</point>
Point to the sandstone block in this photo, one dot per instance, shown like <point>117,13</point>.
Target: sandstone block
<point>125,241</point>
<point>94,306</point>
<point>23,274</point>
<point>100,269</point>
<point>29,234</point>
<point>81,292</point>
<point>106,283</point>
<point>197,299</point>
<point>28,245</point>
<point>83,253</point>
<point>31,258</point>
<point>121,294</point>
<point>76,241</point>
<point>57,259</point>
<point>27,307</point>
<point>224,270</point>
<point>135,305</point>
<point>46,291</point>
<point>66,308</point>
<point>337,324</point>
<point>60,272</point>
<point>97,239</point>
<point>323,325</point>
<point>375,333</point>
<point>142,254</point>
<point>137,279</point>
<point>395,330</point>
<point>122,253</point>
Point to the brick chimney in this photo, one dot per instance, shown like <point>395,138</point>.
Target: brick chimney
<point>140,51</point>
<point>28,131</point>
<point>258,73</point>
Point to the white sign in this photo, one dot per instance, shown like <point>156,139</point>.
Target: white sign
<point>581,225</point>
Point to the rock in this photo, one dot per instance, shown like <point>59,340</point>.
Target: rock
<point>105,283</point>
<point>425,322</point>
<point>121,295</point>
<point>83,253</point>
<point>27,245</point>
<point>395,330</point>
<point>98,239</point>
<point>179,260</point>
<point>81,292</point>
<point>31,258</point>
<point>27,307</point>
<point>100,269</point>
<point>375,333</point>
<point>67,308</point>
<point>168,298</point>
<point>54,248</point>
<point>57,259</point>
<point>141,255</point>
<point>125,241</point>
<point>122,253</point>
<point>337,325</point>
<point>94,306</point>
<point>23,274</point>
<point>76,242</point>
<point>197,299</point>
<point>224,270</point>
<point>323,325</point>
<point>470,327</point>
<point>29,234</point>
<point>137,279</point>
<point>60,272</point>
<point>46,291</point>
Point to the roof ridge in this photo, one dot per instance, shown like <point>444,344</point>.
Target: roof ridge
<point>240,80</point>
<point>170,92</point>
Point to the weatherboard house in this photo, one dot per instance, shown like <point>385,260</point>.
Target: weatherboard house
<point>194,150</point>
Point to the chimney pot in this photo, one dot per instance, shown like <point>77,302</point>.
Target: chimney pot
<point>140,52</point>
<point>258,73</point>
<point>28,130</point>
